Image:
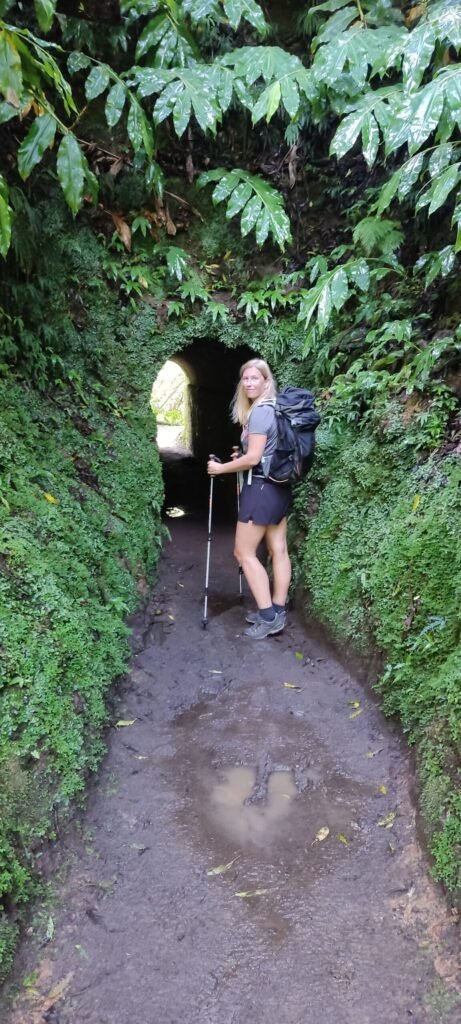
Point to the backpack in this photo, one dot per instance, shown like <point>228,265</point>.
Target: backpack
<point>296,420</point>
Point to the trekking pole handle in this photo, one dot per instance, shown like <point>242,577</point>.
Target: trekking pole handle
<point>214,458</point>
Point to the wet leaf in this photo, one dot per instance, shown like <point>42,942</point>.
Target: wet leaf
<point>59,989</point>
<point>373,753</point>
<point>383,790</point>
<point>292,686</point>
<point>250,893</point>
<point>215,671</point>
<point>171,617</point>
<point>388,821</point>
<point>415,502</point>
<point>222,868</point>
<point>321,834</point>
<point>354,703</point>
<point>355,714</point>
<point>50,498</point>
<point>343,839</point>
<point>124,722</point>
<point>299,655</point>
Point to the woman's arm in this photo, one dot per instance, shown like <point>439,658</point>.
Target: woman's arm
<point>256,446</point>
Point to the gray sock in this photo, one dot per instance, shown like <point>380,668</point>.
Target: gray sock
<point>267,614</point>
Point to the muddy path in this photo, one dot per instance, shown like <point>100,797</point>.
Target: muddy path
<point>202,885</point>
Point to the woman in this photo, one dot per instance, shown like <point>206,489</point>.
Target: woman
<point>263,505</point>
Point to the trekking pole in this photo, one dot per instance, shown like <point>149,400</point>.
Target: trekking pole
<point>235,452</point>
<point>208,550</point>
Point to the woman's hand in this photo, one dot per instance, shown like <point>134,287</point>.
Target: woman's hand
<point>214,468</point>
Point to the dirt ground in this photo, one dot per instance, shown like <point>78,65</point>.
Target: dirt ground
<point>249,853</point>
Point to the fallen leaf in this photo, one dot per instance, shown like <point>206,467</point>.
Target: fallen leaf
<point>321,834</point>
<point>355,713</point>
<point>82,951</point>
<point>383,790</point>
<point>171,617</point>
<point>50,498</point>
<point>139,847</point>
<point>354,703</point>
<point>125,721</point>
<point>58,991</point>
<point>299,655</point>
<point>141,757</point>
<point>254,892</point>
<point>292,686</point>
<point>180,584</point>
<point>415,503</point>
<point>221,868</point>
<point>342,839</point>
<point>388,821</point>
<point>215,671</point>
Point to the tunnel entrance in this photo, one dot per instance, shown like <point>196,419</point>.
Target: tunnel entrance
<point>210,374</point>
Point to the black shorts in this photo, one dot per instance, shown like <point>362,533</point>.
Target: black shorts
<point>264,503</point>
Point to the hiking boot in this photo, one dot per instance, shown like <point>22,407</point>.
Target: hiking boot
<point>260,629</point>
<point>253,617</point>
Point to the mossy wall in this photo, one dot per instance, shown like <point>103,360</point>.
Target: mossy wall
<point>380,559</point>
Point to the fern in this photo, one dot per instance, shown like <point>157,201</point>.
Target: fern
<point>375,235</point>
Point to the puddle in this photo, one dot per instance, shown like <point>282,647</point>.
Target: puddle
<point>245,822</point>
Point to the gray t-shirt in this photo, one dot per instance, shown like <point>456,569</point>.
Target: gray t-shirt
<point>261,421</point>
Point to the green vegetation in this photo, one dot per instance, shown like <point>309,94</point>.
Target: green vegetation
<point>172,170</point>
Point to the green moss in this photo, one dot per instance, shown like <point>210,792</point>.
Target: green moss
<point>382,565</point>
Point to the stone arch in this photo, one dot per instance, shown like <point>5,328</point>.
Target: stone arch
<point>211,369</point>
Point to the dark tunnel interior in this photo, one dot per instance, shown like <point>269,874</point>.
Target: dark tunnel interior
<point>212,371</point>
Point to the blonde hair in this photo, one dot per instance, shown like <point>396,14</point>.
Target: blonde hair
<point>241,405</point>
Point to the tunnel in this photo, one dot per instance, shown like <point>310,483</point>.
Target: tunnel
<point>211,370</point>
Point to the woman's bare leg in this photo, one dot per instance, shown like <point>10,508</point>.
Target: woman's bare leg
<point>247,538</point>
<point>276,540</point>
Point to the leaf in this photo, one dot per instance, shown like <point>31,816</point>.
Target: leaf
<point>98,80</point>
<point>439,159</point>
<point>370,140</point>
<point>343,839</point>
<point>299,655</point>
<point>250,214</point>
<point>71,171</point>
<point>418,52</point>
<point>354,703</point>
<point>10,69</point>
<point>50,498</point>
<point>321,834</point>
<point>45,11</point>
<point>5,226</point>
<point>115,103</point>
<point>383,790</point>
<point>250,893</point>
<point>123,722</point>
<point>39,137</point>
<point>250,11</point>
<point>355,714</point>
<point>388,821</point>
<point>415,502</point>
<point>77,61</point>
<point>339,288</point>
<point>222,868</point>
<point>263,211</point>
<point>292,686</point>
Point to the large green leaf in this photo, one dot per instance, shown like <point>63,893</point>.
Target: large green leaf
<point>190,91</point>
<point>71,171</point>
<point>39,137</point>
<point>166,40</point>
<point>5,226</point>
<point>10,69</point>
<point>248,10</point>
<point>115,103</point>
<point>261,206</point>
<point>45,11</point>
<point>139,130</point>
<point>439,189</point>
<point>97,81</point>
<point>418,52</point>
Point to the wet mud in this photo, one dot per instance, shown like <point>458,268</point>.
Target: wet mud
<point>249,852</point>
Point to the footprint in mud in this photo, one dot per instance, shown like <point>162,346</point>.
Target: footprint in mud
<point>245,822</point>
